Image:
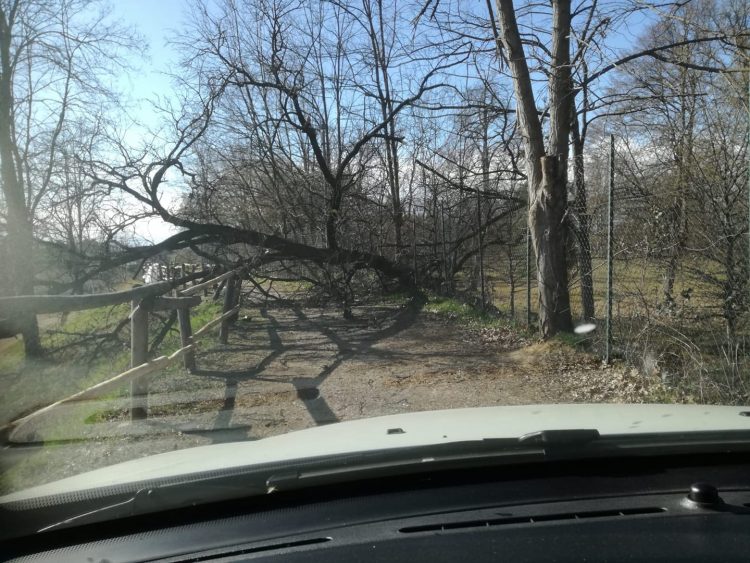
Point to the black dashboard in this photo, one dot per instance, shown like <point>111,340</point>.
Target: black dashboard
<point>589,510</point>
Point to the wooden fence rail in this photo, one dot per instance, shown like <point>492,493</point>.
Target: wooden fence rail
<point>143,300</point>
<point>196,288</point>
<point>42,304</point>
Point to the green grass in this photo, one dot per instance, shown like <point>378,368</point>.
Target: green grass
<point>92,319</point>
<point>11,356</point>
<point>462,313</point>
<point>204,312</point>
<point>395,297</point>
<point>687,340</point>
<point>571,339</point>
<point>33,383</point>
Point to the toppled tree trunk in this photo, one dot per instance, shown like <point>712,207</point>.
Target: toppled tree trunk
<point>278,249</point>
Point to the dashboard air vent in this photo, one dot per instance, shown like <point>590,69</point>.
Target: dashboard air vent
<point>254,549</point>
<point>530,519</point>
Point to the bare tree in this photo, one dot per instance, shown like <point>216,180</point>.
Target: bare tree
<point>546,169</point>
<point>685,109</point>
<point>52,56</point>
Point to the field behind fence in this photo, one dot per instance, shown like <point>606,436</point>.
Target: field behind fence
<point>698,341</point>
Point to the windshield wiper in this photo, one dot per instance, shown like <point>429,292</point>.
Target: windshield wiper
<point>542,445</point>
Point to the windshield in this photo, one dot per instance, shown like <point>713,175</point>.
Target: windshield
<point>228,220</point>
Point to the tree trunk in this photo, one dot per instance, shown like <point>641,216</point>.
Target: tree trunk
<point>332,220</point>
<point>548,235</point>
<point>546,175</point>
<point>486,189</point>
<point>683,156</point>
<point>382,80</point>
<point>20,231</point>
<point>732,292</point>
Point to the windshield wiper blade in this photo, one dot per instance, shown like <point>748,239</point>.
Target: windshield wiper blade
<point>394,462</point>
<point>532,447</point>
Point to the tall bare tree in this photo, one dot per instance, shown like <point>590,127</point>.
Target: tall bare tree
<point>546,169</point>
<point>53,55</point>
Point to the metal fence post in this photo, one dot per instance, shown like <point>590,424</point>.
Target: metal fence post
<point>528,275</point>
<point>610,256</point>
<point>446,285</point>
<point>480,245</point>
<point>414,244</point>
<point>236,295</point>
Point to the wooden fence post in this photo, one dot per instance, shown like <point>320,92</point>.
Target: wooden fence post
<point>138,356</point>
<point>228,306</point>
<point>218,289</point>
<point>237,296</point>
<point>186,337</point>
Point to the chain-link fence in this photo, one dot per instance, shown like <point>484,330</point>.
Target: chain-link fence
<point>679,267</point>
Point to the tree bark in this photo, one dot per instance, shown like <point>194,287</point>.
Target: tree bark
<point>334,208</point>
<point>548,234</point>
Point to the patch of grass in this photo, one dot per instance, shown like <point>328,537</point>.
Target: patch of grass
<point>32,384</point>
<point>462,313</point>
<point>11,356</point>
<point>637,284</point>
<point>573,340</point>
<point>25,473</point>
<point>199,316</point>
<point>395,297</point>
<point>204,312</point>
<point>99,319</point>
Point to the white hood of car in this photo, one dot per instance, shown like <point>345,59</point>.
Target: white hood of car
<point>406,430</point>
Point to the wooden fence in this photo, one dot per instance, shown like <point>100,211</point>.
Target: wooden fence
<point>144,300</point>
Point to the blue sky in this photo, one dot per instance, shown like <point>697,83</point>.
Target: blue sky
<point>156,21</point>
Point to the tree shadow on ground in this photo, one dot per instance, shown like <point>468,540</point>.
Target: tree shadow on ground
<point>307,388</point>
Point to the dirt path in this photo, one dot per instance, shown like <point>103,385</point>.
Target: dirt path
<point>290,368</point>
<point>287,367</point>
